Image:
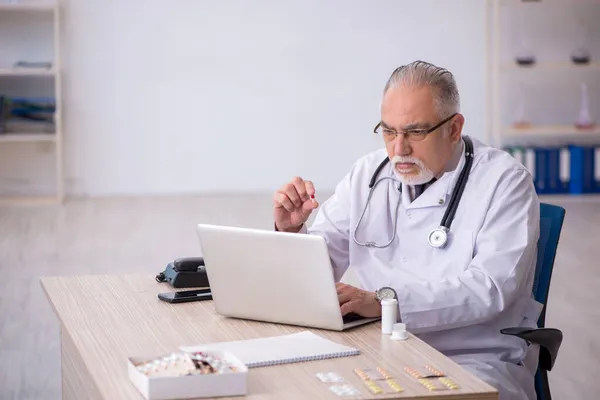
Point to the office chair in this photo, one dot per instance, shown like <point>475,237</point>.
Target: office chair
<point>549,339</point>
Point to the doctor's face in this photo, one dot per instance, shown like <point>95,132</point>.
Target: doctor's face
<point>417,156</point>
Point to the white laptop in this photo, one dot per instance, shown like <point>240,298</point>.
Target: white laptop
<point>273,276</point>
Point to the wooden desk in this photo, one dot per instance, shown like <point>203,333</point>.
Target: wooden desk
<point>105,319</point>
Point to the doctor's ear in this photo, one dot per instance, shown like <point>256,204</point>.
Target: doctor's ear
<point>456,126</point>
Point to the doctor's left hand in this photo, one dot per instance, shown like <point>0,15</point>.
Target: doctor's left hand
<point>358,301</point>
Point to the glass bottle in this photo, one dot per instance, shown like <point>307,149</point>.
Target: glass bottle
<point>584,120</point>
<point>581,52</point>
<point>521,119</point>
<point>524,54</point>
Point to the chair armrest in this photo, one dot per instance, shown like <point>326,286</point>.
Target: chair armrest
<point>549,340</point>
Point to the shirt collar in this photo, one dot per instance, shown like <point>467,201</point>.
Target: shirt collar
<point>440,191</point>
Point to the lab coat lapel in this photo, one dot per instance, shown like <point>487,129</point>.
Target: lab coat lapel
<point>439,193</point>
<point>434,196</point>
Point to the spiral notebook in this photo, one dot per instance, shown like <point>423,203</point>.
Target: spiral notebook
<point>274,350</point>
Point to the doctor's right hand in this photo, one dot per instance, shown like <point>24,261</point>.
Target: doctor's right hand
<point>293,204</point>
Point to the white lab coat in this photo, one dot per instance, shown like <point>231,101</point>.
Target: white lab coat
<point>456,299</point>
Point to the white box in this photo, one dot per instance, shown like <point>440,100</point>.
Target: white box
<point>191,386</point>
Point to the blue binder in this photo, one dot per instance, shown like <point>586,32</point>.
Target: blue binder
<point>583,168</point>
<point>540,175</point>
<point>548,166</point>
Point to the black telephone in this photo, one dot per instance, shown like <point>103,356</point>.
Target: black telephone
<point>185,272</point>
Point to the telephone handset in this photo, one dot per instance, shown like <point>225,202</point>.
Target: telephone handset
<point>188,264</point>
<point>185,272</point>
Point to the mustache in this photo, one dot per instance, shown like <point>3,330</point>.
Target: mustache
<point>407,159</point>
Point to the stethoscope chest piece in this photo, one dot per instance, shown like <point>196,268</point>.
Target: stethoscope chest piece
<point>438,237</point>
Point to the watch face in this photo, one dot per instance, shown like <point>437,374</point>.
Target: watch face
<point>386,293</point>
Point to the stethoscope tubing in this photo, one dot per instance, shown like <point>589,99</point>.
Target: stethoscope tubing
<point>449,214</point>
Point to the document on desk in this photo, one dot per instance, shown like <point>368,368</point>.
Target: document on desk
<point>284,349</point>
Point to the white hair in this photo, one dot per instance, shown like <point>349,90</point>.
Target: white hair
<point>440,80</point>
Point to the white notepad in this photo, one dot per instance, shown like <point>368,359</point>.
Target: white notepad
<point>296,347</point>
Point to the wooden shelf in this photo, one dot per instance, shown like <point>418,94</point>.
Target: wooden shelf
<point>27,72</point>
<point>552,66</point>
<point>28,200</point>
<point>551,135</point>
<point>563,3</point>
<point>29,6</point>
<point>552,129</point>
<point>27,137</point>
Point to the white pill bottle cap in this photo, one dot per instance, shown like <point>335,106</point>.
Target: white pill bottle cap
<point>399,332</point>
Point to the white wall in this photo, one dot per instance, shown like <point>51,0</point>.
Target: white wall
<point>192,96</point>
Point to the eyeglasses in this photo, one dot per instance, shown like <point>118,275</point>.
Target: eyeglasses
<point>413,135</point>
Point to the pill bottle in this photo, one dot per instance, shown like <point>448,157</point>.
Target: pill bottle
<point>389,315</point>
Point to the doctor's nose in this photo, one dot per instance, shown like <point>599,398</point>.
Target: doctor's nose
<point>401,145</point>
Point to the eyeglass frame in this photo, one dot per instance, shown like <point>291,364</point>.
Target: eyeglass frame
<point>423,132</point>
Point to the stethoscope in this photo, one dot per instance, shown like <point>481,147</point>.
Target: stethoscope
<point>438,237</point>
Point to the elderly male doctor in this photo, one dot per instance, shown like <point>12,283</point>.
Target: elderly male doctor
<point>456,288</point>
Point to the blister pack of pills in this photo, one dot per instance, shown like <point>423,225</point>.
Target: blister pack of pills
<point>424,372</point>
<point>181,364</point>
<point>330,377</point>
<point>344,390</point>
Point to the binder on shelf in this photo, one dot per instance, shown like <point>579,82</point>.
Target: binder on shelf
<point>530,159</point>
<point>549,167</point>
<point>552,170</point>
<point>596,188</point>
<point>27,114</point>
<point>564,167</point>
<point>541,173</point>
<point>584,177</point>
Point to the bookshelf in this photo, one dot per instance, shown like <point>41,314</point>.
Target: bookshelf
<point>545,94</point>
<point>27,137</point>
<point>552,67</point>
<point>24,5</point>
<point>551,135</point>
<point>30,38</point>
<point>6,72</point>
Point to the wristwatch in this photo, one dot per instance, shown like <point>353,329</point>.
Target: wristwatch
<point>385,293</point>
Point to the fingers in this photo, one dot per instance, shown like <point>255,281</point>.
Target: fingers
<point>310,188</point>
<point>282,200</point>
<point>345,297</point>
<point>345,292</point>
<point>288,198</point>
<point>300,188</point>
<point>340,286</point>
<point>311,205</point>
<point>293,195</point>
<point>349,307</point>
<point>296,191</point>
<point>296,194</point>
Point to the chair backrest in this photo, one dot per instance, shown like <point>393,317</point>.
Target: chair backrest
<point>551,222</point>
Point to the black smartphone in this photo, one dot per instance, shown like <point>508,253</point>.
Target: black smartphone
<point>186,296</point>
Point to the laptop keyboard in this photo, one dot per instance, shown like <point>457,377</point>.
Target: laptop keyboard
<point>351,317</point>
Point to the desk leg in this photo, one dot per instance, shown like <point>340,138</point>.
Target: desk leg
<point>77,383</point>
